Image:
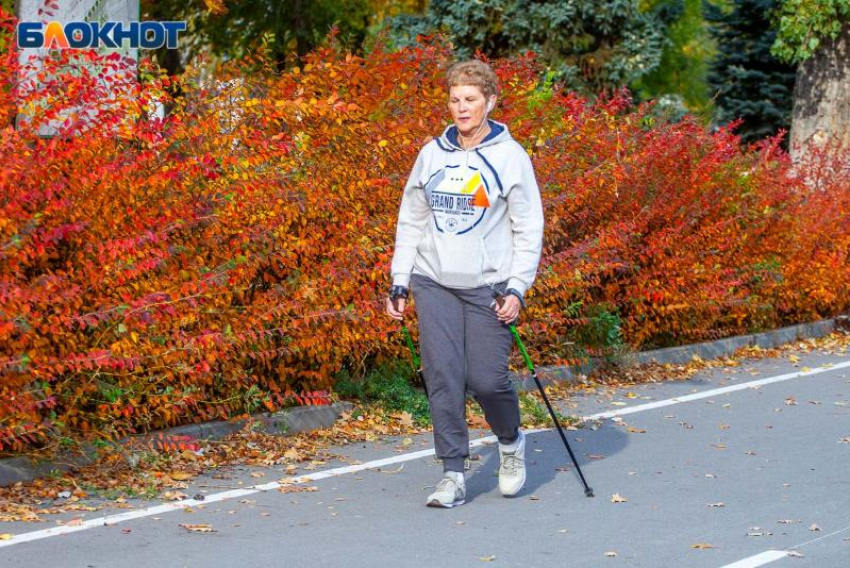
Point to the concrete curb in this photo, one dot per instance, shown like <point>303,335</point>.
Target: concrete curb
<point>284,422</point>
<point>685,353</point>
<point>306,418</point>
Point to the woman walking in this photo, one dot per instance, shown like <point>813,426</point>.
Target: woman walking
<point>470,224</point>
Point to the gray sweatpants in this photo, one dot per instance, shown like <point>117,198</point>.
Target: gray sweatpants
<point>463,345</point>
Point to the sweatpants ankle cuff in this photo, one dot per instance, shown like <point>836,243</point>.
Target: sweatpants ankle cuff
<point>453,464</point>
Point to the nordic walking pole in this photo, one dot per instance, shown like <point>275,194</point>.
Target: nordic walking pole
<point>588,491</point>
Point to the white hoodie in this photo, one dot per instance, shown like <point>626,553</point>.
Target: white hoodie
<point>470,218</point>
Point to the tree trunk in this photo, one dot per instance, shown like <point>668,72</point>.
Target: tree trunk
<point>822,97</point>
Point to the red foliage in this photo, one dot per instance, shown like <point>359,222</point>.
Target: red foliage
<point>157,272</point>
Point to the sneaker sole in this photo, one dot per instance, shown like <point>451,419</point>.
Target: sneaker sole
<point>441,505</point>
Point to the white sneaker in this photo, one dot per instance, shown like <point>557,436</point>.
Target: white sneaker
<point>512,467</point>
<point>450,492</point>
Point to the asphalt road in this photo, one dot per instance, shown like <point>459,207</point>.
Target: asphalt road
<point>708,477</point>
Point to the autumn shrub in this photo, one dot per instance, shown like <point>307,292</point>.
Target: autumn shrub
<point>235,254</point>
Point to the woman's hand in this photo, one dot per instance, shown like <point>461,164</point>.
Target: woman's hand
<point>508,311</point>
<point>394,313</point>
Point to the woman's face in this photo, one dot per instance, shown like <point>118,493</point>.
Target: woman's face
<point>467,105</point>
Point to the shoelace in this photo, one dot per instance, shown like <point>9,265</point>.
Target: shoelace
<point>511,463</point>
<point>444,483</point>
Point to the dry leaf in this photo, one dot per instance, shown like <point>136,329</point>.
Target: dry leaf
<point>6,536</point>
<point>298,488</point>
<point>611,554</point>
<point>794,554</point>
<point>618,403</point>
<point>718,504</point>
<point>487,558</point>
<point>406,419</point>
<point>617,498</point>
<point>173,496</point>
<point>257,474</point>
<point>595,456</point>
<point>632,430</point>
<point>180,475</point>
<point>814,527</point>
<point>702,546</point>
<point>199,528</point>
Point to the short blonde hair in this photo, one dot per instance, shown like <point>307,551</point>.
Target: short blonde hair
<point>473,72</point>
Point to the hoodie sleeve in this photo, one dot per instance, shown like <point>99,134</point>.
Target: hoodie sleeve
<point>413,217</point>
<point>526,212</point>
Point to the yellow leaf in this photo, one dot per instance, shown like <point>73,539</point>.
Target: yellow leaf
<point>383,143</point>
<point>702,546</point>
<point>617,498</point>
<point>6,536</point>
<point>180,475</point>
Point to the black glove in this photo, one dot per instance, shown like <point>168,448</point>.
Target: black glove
<point>398,292</point>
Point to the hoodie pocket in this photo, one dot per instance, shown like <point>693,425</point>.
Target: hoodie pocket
<point>492,266</point>
<point>460,260</point>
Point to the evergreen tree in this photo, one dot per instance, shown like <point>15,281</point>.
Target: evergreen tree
<point>749,82</point>
<point>589,44</point>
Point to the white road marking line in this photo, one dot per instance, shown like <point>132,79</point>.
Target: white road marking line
<point>759,559</point>
<point>225,495</point>
<point>772,555</point>
<point>715,392</point>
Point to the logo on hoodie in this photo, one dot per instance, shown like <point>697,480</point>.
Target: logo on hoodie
<point>459,198</point>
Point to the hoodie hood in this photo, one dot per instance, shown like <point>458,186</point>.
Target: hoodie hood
<point>448,140</point>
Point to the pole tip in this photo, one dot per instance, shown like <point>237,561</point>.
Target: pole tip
<point>588,492</point>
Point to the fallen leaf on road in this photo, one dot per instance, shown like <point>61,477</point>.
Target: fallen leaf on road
<point>718,504</point>
<point>200,528</point>
<point>702,546</point>
<point>633,430</point>
<point>610,554</point>
<point>790,401</point>
<point>595,456</point>
<point>297,488</point>
<point>173,496</point>
<point>6,536</point>
<point>814,527</point>
<point>490,558</point>
<point>534,498</point>
<point>180,475</point>
<point>845,440</point>
<point>785,521</point>
<point>257,474</point>
<point>617,498</point>
<point>794,554</point>
<point>77,522</point>
<point>618,403</point>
